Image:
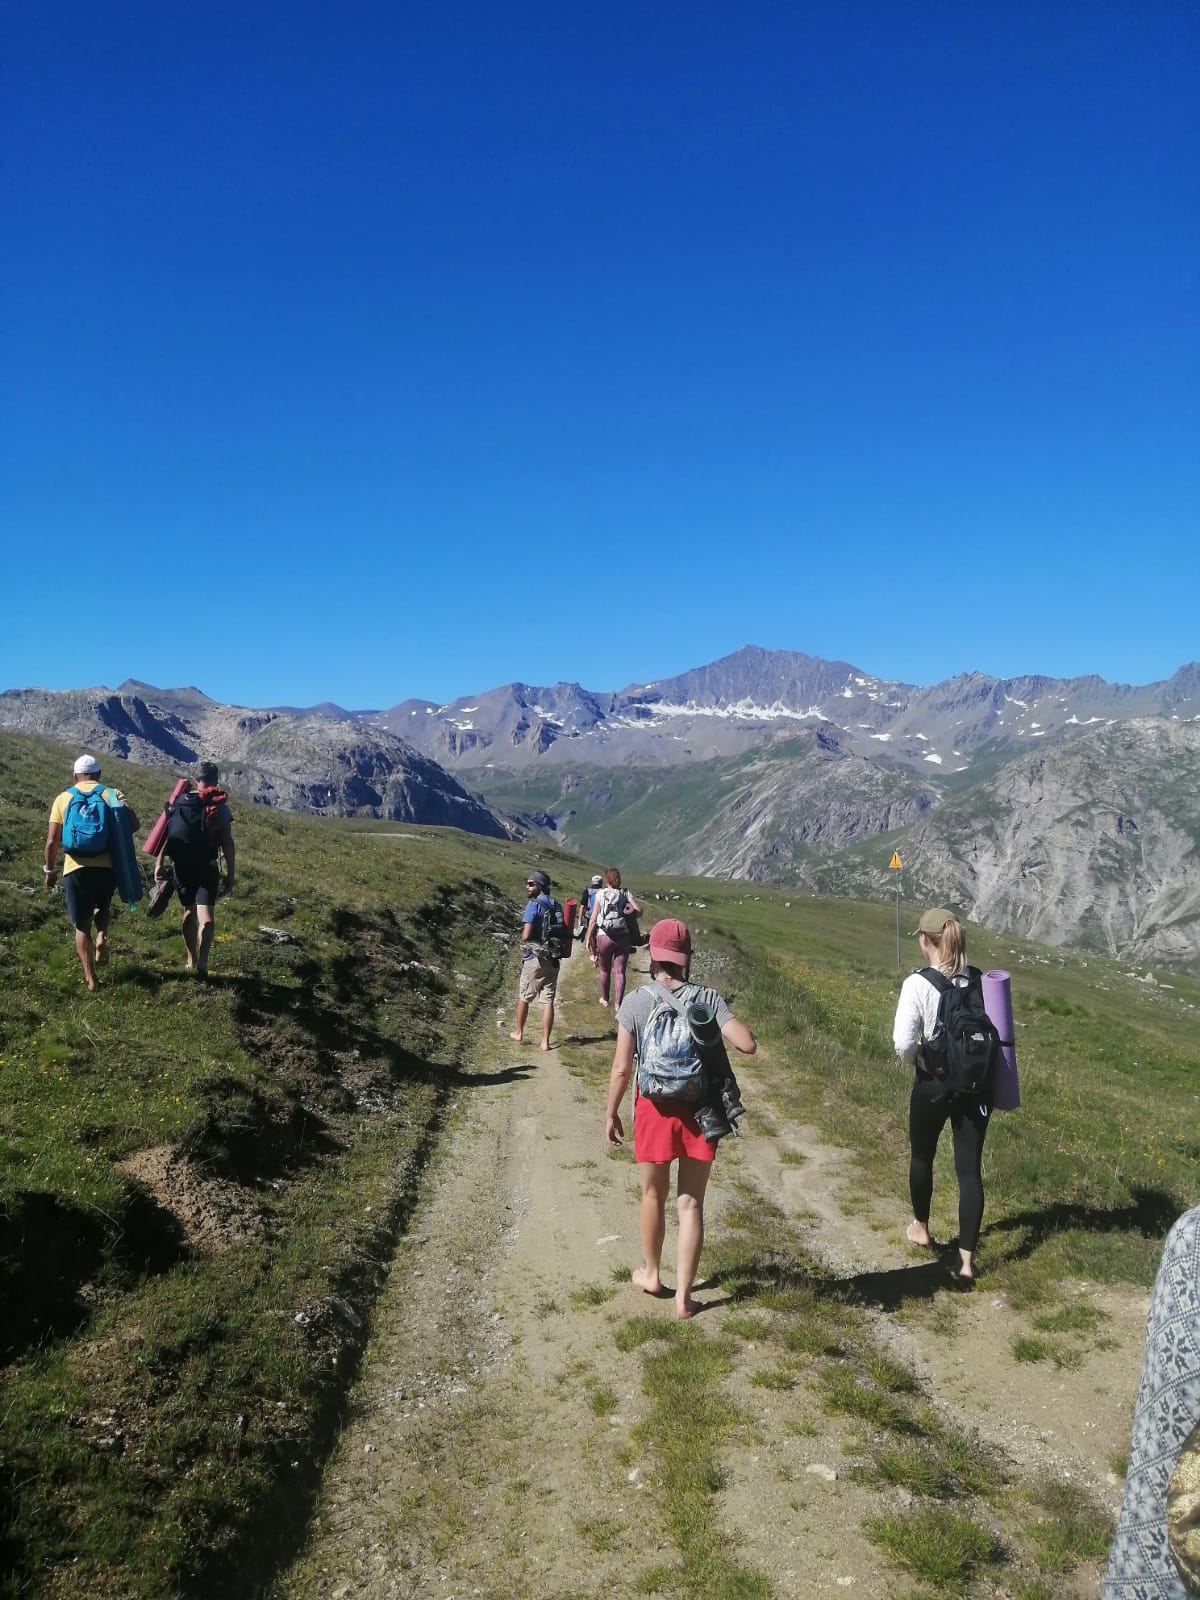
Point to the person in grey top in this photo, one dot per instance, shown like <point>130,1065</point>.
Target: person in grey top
<point>666,1130</point>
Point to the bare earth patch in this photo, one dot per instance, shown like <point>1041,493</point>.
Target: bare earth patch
<point>214,1214</point>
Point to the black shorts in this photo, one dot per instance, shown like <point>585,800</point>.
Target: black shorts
<point>88,892</point>
<point>198,888</point>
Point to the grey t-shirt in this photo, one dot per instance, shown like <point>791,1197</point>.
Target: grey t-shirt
<point>638,1006</point>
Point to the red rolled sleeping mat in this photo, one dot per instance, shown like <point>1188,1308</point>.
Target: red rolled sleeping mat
<point>158,833</point>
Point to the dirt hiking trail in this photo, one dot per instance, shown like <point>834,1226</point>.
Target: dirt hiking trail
<point>491,1449</point>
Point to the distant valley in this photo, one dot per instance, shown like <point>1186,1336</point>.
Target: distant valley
<point>1065,809</point>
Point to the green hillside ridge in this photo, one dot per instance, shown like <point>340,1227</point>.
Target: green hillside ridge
<point>201,1186</point>
<point>653,819</point>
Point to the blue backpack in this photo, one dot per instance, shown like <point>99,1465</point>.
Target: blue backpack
<point>85,823</point>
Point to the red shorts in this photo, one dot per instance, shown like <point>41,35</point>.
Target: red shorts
<point>659,1136</point>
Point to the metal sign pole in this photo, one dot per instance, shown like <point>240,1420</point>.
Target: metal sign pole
<point>894,866</point>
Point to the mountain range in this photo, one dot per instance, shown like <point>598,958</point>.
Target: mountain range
<point>299,760</point>
<point>1067,809</point>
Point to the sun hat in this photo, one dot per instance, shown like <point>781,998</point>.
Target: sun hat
<point>671,941</point>
<point>597,880</point>
<point>84,765</point>
<point>540,878</point>
<point>932,922</point>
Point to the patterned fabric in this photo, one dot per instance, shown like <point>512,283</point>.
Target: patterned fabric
<point>1140,1566</point>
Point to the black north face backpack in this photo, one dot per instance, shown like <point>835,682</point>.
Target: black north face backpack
<point>961,1052</point>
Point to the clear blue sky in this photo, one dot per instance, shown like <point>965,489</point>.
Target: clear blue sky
<point>377,350</point>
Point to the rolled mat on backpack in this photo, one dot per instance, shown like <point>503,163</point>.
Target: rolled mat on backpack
<point>997,1002</point>
<point>157,836</point>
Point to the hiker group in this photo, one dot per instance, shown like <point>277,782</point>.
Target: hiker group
<point>671,1044</point>
<point>92,826</point>
<point>686,1098</point>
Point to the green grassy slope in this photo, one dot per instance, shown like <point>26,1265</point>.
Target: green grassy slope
<point>636,817</point>
<point>170,1390</point>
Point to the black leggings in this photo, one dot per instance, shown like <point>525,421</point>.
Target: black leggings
<point>928,1111</point>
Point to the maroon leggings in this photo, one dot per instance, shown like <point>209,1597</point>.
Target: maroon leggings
<point>612,957</point>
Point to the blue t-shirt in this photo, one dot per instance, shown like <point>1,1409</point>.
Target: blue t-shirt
<point>533,915</point>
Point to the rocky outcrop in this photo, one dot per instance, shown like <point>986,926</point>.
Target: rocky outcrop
<point>301,762</point>
<point>1095,841</point>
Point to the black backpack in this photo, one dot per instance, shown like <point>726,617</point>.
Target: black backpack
<point>556,936</point>
<point>961,1052</point>
<point>188,838</point>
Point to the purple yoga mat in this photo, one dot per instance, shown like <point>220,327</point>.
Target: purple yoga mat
<point>997,1002</point>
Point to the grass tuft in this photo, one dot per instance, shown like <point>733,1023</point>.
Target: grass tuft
<point>940,1547</point>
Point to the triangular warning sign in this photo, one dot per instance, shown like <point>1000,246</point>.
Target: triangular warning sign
<point>894,863</point>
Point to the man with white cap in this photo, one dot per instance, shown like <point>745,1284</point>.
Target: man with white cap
<point>79,823</point>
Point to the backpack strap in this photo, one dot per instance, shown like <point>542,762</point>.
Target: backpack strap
<point>669,995</point>
<point>937,978</point>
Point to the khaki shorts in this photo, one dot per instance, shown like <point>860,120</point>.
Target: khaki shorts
<point>539,979</point>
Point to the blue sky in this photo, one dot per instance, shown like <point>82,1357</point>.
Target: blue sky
<point>381,350</point>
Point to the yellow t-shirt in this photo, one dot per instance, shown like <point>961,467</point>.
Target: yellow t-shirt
<point>58,812</point>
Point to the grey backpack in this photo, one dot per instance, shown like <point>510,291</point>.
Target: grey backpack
<point>612,913</point>
<point>669,1064</point>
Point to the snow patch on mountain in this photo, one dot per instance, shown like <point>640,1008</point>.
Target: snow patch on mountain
<point>738,710</point>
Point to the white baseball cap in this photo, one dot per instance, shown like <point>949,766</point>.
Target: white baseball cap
<point>84,765</point>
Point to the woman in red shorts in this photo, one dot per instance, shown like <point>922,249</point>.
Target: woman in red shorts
<point>665,1130</point>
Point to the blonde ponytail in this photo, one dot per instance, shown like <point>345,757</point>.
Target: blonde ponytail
<point>952,948</point>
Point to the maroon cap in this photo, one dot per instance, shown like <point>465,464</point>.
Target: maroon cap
<point>671,941</point>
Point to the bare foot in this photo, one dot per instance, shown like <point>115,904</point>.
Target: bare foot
<point>545,1044</point>
<point>686,1309</point>
<point>917,1233</point>
<point>517,1038</point>
<point>604,1003</point>
<point>648,1282</point>
<point>101,952</point>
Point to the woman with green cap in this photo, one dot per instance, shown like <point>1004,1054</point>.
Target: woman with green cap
<point>930,1107</point>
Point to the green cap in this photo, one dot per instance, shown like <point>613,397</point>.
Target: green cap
<point>932,922</point>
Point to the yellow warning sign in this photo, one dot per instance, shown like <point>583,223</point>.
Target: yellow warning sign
<point>894,863</point>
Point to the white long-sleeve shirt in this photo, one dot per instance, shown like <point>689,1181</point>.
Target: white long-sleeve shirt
<point>916,1014</point>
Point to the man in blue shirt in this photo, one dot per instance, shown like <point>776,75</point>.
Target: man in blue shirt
<point>539,969</point>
